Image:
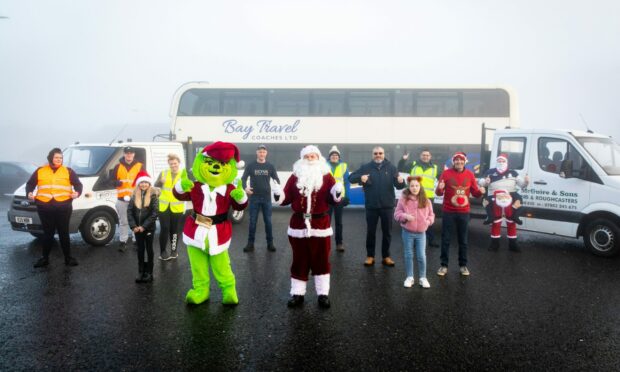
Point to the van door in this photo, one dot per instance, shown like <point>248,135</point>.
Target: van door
<point>555,201</point>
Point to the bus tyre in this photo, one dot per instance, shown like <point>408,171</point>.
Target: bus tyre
<point>602,237</point>
<point>236,216</point>
<point>98,228</point>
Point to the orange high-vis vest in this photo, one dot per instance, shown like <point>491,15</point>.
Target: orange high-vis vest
<point>125,189</point>
<point>53,185</point>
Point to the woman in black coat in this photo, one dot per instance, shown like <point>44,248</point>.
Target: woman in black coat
<point>142,214</point>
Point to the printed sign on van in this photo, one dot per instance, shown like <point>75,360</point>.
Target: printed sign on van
<point>555,199</point>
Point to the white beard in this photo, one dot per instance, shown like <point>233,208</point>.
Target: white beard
<point>502,167</point>
<point>310,175</point>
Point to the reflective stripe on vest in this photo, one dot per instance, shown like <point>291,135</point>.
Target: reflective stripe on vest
<point>167,197</point>
<point>429,176</point>
<point>125,189</point>
<point>53,185</point>
<point>338,174</point>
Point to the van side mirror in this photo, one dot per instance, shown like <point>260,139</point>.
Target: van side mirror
<point>566,169</point>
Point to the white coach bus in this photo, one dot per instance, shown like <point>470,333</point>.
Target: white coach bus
<point>400,119</point>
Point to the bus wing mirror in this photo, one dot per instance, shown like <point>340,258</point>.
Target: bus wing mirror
<point>566,169</point>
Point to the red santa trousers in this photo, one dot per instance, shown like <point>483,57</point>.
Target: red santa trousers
<point>498,213</point>
<point>310,254</point>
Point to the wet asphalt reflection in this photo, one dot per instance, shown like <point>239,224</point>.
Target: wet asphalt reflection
<point>553,306</point>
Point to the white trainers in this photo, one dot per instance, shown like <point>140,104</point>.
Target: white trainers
<point>409,282</point>
<point>424,283</point>
<point>442,271</point>
<point>464,271</point>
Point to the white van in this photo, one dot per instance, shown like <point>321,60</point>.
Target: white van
<point>94,213</point>
<point>574,185</point>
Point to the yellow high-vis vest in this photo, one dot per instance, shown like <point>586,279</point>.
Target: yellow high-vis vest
<point>166,198</point>
<point>429,176</point>
<point>53,185</point>
<point>338,174</point>
<point>126,188</point>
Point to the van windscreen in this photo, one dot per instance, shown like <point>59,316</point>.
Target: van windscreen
<point>87,160</point>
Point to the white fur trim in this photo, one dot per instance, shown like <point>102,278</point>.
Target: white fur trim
<point>512,237</point>
<point>179,188</point>
<point>337,189</point>
<point>144,179</point>
<point>310,149</point>
<point>201,236</point>
<point>305,233</point>
<point>321,283</point>
<point>298,287</point>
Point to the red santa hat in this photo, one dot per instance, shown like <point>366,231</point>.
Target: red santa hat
<point>502,156</point>
<point>310,149</point>
<point>221,151</point>
<point>459,154</point>
<point>500,191</point>
<point>142,177</point>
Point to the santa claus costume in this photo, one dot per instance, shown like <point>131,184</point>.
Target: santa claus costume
<point>502,185</point>
<point>310,190</point>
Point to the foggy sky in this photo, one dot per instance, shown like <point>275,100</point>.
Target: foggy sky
<point>83,70</point>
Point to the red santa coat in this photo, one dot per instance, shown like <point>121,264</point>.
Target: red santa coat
<point>320,201</point>
<point>209,202</point>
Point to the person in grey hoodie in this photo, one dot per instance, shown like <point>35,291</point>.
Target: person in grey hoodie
<point>378,178</point>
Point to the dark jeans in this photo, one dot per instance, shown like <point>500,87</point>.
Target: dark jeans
<point>337,212</point>
<point>145,242</point>
<point>52,220</point>
<point>169,223</point>
<point>260,203</point>
<point>461,222</point>
<point>372,217</point>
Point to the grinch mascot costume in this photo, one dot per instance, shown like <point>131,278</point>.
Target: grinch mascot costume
<point>207,233</point>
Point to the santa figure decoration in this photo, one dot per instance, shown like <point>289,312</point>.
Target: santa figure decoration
<point>503,202</point>
<point>310,190</point>
<point>207,232</point>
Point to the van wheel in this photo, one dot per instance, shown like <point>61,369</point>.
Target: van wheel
<point>98,228</point>
<point>601,237</point>
<point>236,216</point>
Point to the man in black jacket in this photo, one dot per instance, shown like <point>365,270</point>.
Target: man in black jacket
<point>378,178</point>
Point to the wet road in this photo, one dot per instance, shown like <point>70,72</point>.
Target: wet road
<point>552,307</point>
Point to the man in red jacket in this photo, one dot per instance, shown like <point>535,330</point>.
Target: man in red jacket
<point>455,185</point>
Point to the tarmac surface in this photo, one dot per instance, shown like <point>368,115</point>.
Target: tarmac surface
<point>553,306</point>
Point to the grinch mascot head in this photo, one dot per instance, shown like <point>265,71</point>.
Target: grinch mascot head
<point>208,231</point>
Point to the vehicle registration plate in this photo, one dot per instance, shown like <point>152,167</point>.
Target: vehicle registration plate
<point>26,220</point>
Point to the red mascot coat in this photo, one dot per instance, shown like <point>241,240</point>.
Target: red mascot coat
<point>209,203</point>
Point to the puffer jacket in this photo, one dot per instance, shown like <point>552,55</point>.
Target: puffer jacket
<point>424,217</point>
<point>146,216</point>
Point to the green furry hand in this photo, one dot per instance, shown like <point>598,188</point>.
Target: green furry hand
<point>186,183</point>
<point>238,193</point>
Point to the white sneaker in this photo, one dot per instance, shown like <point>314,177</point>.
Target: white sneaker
<point>424,283</point>
<point>442,271</point>
<point>409,282</point>
<point>464,271</point>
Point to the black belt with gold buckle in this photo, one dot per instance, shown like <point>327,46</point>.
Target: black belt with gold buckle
<point>311,215</point>
<point>208,221</point>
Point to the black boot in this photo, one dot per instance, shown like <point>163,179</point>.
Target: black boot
<point>512,245</point>
<point>494,245</point>
<point>41,262</point>
<point>249,247</point>
<point>140,272</point>
<point>295,301</point>
<point>70,261</point>
<point>489,209</point>
<point>324,301</point>
<point>516,214</point>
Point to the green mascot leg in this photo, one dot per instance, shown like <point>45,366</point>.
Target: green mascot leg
<point>199,262</point>
<point>220,265</point>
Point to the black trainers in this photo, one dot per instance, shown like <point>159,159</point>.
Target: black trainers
<point>164,256</point>
<point>513,246</point>
<point>122,246</point>
<point>140,278</point>
<point>71,261</point>
<point>249,247</point>
<point>324,302</point>
<point>271,247</point>
<point>41,262</point>
<point>174,254</point>
<point>147,278</point>
<point>295,301</point>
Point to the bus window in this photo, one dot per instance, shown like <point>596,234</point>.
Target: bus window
<point>289,102</point>
<point>403,103</point>
<point>328,103</point>
<point>243,103</point>
<point>370,103</point>
<point>485,103</point>
<point>437,103</point>
<point>199,102</point>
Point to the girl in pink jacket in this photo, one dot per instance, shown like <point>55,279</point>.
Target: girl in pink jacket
<point>415,214</point>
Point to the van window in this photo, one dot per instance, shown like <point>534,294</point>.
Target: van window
<point>514,148</point>
<point>553,153</point>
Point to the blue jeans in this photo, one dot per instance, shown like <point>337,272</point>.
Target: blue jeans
<point>257,203</point>
<point>461,221</point>
<point>417,240</point>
